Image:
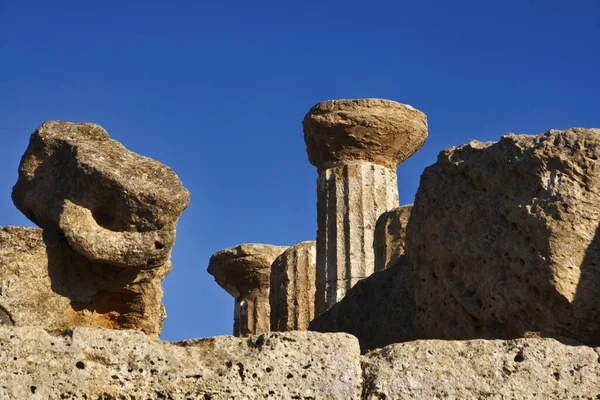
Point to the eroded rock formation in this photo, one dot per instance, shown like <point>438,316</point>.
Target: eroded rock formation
<point>113,206</point>
<point>108,217</point>
<point>504,239</point>
<point>244,272</point>
<point>292,291</point>
<point>356,146</point>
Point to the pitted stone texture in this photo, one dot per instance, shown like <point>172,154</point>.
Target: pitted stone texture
<point>101,364</point>
<point>378,131</point>
<point>378,310</point>
<point>390,236</point>
<point>43,282</point>
<point>244,272</point>
<point>292,291</point>
<point>113,206</point>
<point>504,238</point>
<point>480,369</point>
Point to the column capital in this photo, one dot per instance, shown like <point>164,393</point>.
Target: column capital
<point>379,131</point>
<point>244,269</point>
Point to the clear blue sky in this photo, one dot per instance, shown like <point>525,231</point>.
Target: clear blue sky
<point>217,90</point>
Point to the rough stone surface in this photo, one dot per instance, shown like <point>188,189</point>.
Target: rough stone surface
<point>43,282</point>
<point>292,291</point>
<point>378,310</point>
<point>504,238</point>
<point>244,272</point>
<point>380,131</point>
<point>88,363</point>
<point>480,369</point>
<point>112,205</point>
<point>390,236</point>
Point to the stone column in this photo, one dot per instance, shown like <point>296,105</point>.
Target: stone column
<point>292,296</point>
<point>356,146</point>
<point>244,272</point>
<point>390,236</point>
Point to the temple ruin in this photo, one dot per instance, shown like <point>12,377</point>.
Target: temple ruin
<point>485,287</point>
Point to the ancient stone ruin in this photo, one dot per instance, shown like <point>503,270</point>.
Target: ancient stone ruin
<point>244,271</point>
<point>389,242</point>
<point>356,146</point>
<point>108,221</point>
<point>487,287</point>
<point>524,253</point>
<point>292,289</point>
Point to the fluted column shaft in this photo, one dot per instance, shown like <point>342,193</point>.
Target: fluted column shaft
<point>251,315</point>
<point>350,197</point>
<point>244,272</point>
<point>292,292</point>
<point>356,144</point>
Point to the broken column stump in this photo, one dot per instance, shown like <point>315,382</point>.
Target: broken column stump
<point>390,236</point>
<point>292,292</point>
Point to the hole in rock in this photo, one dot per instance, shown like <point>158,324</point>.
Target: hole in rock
<point>107,218</point>
<point>556,376</point>
<point>159,246</point>
<point>80,364</point>
<point>241,370</point>
<point>520,357</point>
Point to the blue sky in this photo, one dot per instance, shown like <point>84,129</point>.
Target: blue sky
<point>218,90</point>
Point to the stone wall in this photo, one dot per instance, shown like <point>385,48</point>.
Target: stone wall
<point>96,363</point>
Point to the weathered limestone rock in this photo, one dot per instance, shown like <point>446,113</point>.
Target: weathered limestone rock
<point>480,369</point>
<point>292,291</point>
<point>390,236</point>
<point>117,211</point>
<point>88,363</point>
<point>244,272</point>
<point>504,238</point>
<point>378,310</point>
<point>113,206</point>
<point>44,282</point>
<point>356,146</point>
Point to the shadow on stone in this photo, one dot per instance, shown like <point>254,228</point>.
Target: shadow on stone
<point>587,299</point>
<point>378,310</point>
<point>103,295</point>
